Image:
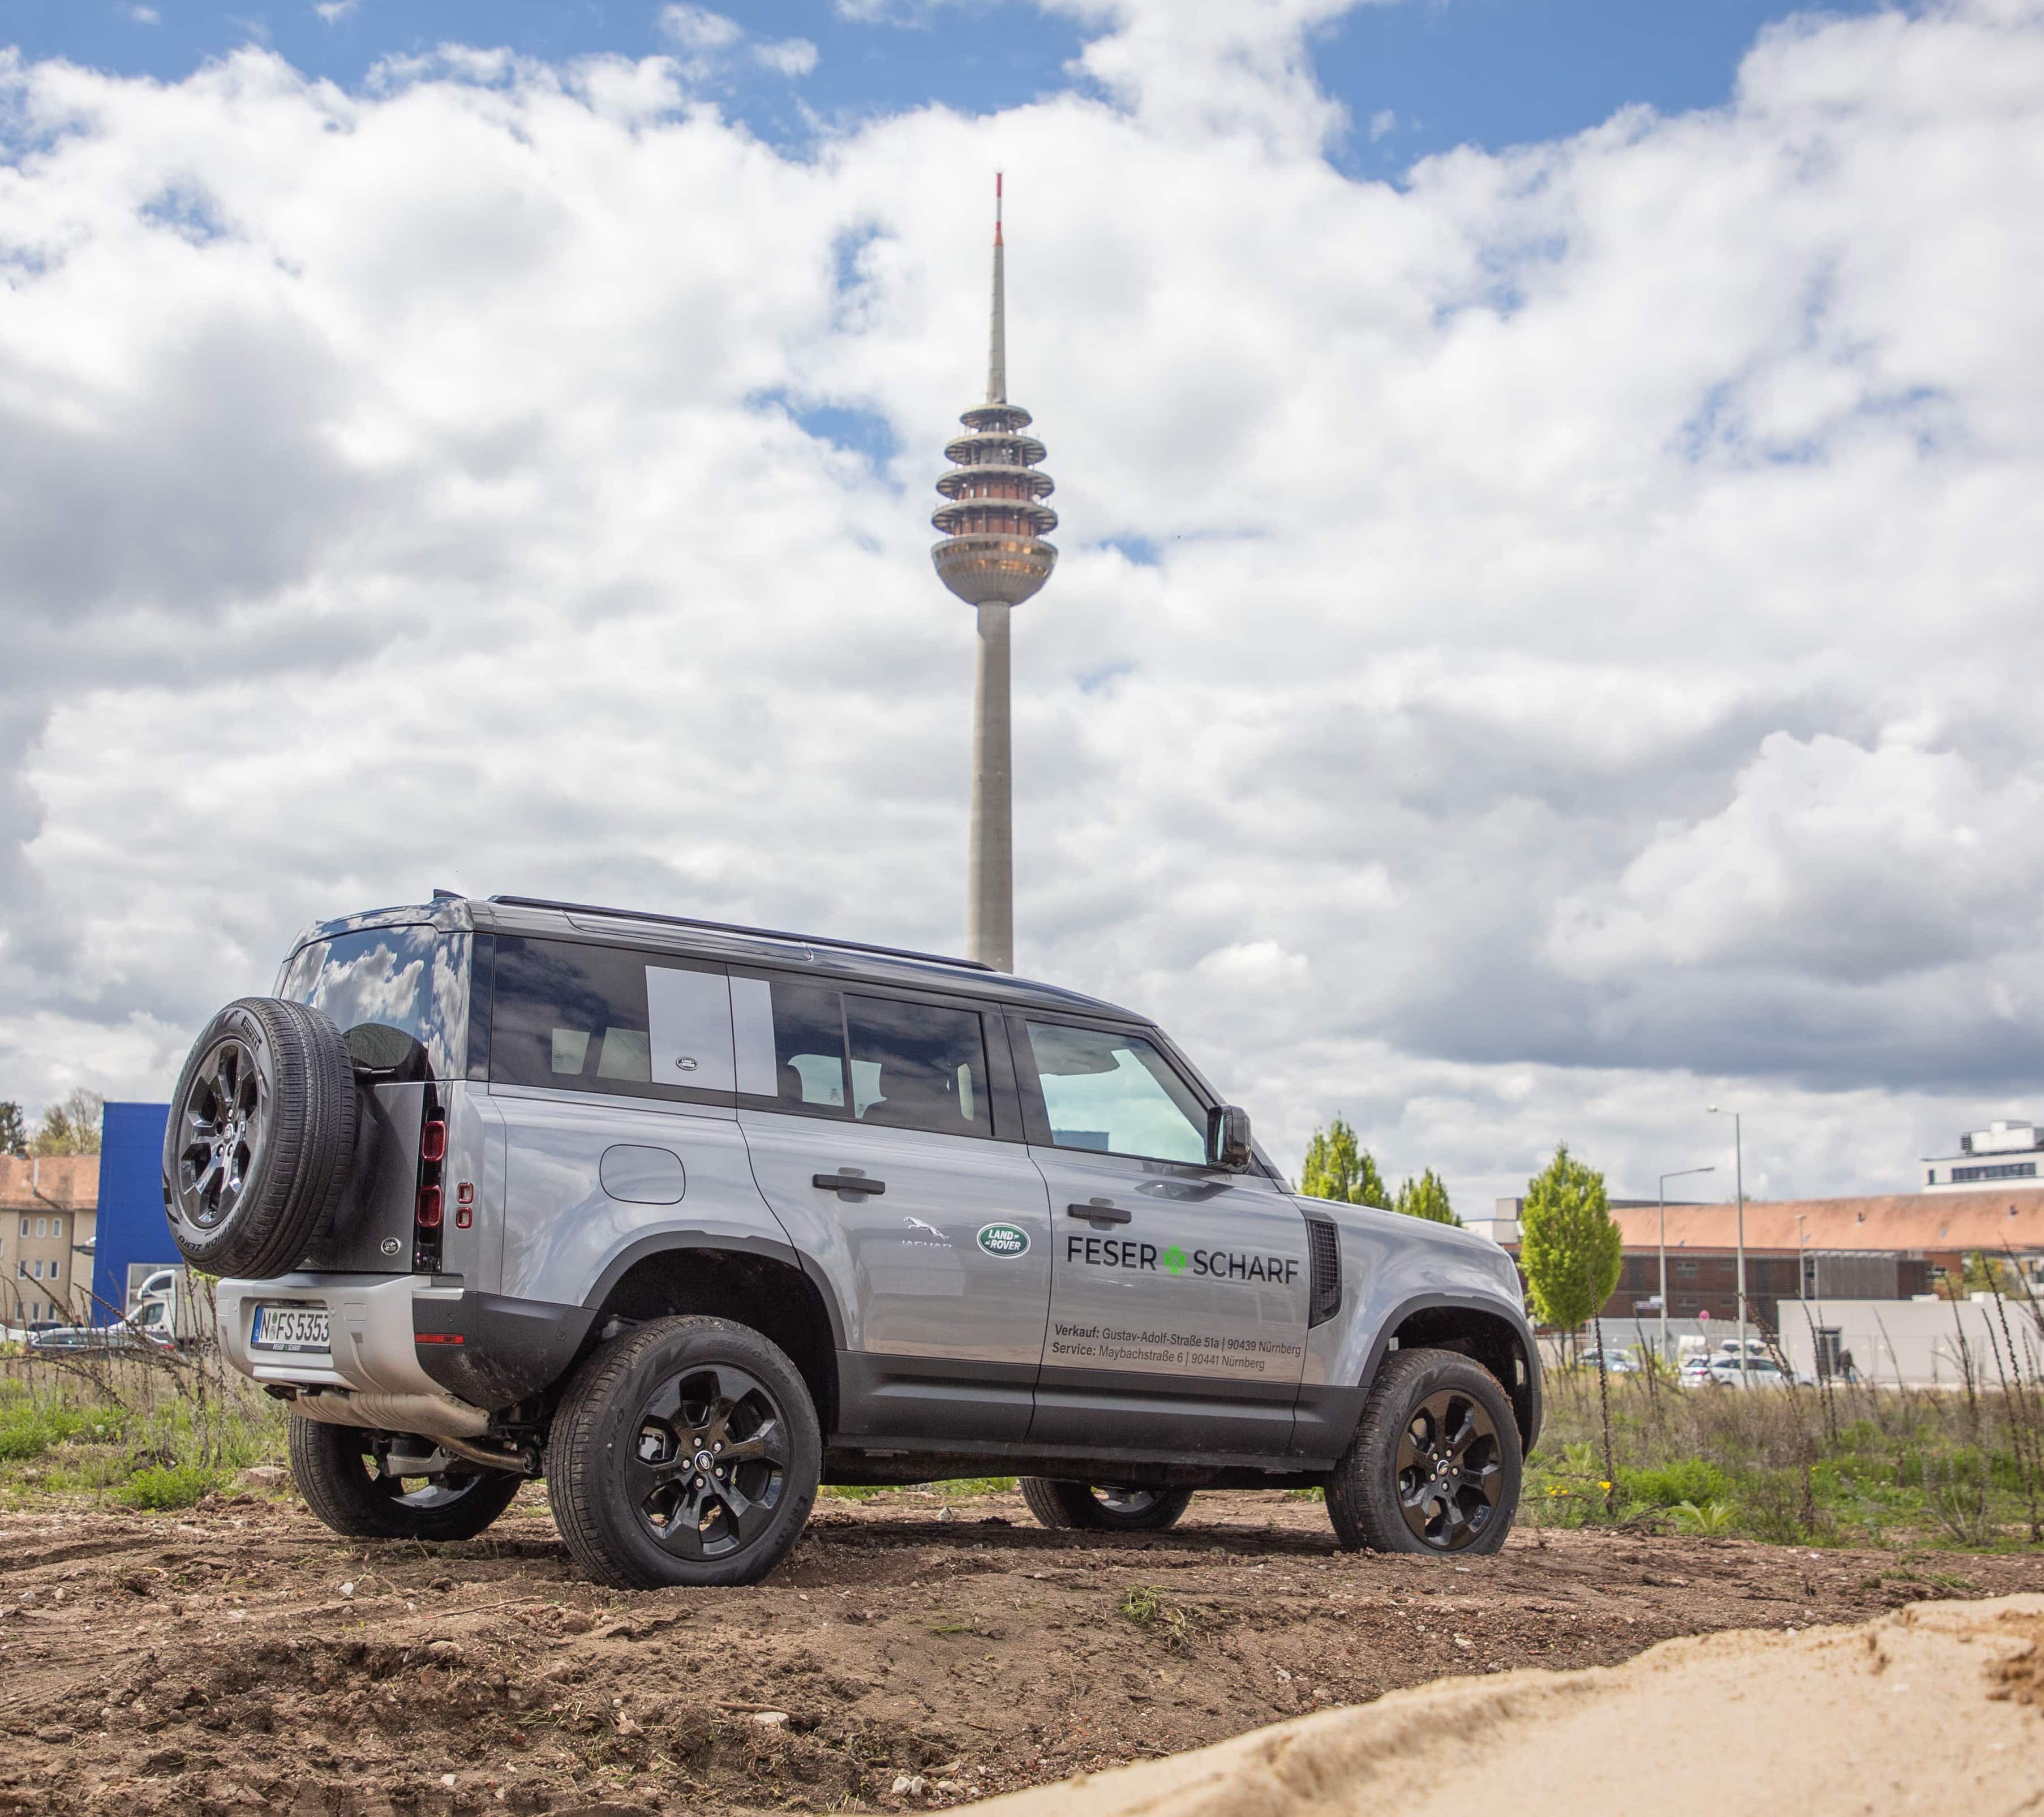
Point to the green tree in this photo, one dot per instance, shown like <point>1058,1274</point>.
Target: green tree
<point>1426,1197</point>
<point>13,1129</point>
<point>1572,1253</point>
<point>1338,1167</point>
<point>1981,1274</point>
<point>1568,1245</point>
<point>70,1127</point>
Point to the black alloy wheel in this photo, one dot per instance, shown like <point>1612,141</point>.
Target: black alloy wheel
<point>223,1125</point>
<point>710,1464</point>
<point>340,1471</point>
<point>685,1450</point>
<point>1130,1504</point>
<point>1101,1508</point>
<point>1434,1466</point>
<point>1449,1475</point>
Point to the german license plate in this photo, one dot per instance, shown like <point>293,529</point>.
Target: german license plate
<point>291,1328</point>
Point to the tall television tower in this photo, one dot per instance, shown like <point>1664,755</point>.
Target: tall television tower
<point>993,557</point>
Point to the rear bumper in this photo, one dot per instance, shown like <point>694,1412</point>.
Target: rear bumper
<point>400,1334</point>
<point>372,1347</point>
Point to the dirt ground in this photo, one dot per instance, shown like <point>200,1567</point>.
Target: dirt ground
<point>910,1655</point>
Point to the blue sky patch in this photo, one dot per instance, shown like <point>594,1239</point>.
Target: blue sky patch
<point>1416,76</point>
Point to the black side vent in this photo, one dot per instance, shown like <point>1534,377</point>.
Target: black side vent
<point>1325,1242</point>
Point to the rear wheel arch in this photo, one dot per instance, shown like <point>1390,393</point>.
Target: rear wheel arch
<point>757,1287</point>
<point>1469,1328</point>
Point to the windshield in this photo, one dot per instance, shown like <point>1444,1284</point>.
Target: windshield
<point>387,988</point>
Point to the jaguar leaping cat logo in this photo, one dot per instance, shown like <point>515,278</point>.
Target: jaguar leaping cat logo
<point>917,1224</point>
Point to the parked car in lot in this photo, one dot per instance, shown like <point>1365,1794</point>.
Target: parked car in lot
<point>95,1340</point>
<point>1616,1362</point>
<point>689,1219</point>
<point>1760,1371</point>
<point>1695,1373</point>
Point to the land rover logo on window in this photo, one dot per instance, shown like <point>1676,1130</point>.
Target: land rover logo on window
<point>1003,1239</point>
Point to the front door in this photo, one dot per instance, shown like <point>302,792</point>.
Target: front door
<point>1179,1291</point>
<point>872,1123</point>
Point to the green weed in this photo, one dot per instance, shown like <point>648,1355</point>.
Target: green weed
<point>1144,1605</point>
<point>1689,1480</point>
<point>162,1486</point>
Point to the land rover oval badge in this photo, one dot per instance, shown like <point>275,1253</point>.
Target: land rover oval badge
<point>391,1246</point>
<point>1003,1239</point>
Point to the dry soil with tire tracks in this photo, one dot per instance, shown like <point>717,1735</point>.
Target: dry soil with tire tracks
<point>241,1658</point>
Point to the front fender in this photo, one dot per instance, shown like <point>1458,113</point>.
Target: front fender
<point>1393,1267</point>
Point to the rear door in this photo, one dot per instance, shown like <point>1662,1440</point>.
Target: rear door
<point>1179,1291</point>
<point>883,1132</point>
<point>611,1070</point>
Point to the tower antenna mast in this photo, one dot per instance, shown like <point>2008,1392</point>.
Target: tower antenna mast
<point>993,556</point>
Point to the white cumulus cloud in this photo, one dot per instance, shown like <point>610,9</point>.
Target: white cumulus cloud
<point>1537,648</point>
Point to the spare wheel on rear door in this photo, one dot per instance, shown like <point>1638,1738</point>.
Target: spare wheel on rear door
<point>261,1135</point>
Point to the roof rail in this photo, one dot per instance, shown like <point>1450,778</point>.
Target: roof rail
<point>738,928</point>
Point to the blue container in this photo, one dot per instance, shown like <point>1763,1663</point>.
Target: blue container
<point>133,1235</point>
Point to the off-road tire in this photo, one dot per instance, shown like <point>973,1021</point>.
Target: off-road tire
<point>1067,1505</point>
<point>335,1469</point>
<point>1363,1499</point>
<point>595,1453</point>
<point>294,1146</point>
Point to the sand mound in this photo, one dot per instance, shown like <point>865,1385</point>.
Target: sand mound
<point>1939,1706</point>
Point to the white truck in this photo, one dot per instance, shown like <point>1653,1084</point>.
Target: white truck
<point>168,1307</point>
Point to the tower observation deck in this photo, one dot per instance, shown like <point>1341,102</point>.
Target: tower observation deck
<point>993,556</point>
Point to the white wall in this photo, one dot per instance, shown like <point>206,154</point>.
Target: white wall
<point>1915,1342</point>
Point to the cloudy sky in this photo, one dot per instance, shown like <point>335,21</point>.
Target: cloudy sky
<point>1547,631</point>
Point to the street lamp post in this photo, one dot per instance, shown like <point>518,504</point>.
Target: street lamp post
<point>1665,1178</point>
<point>1739,1170</point>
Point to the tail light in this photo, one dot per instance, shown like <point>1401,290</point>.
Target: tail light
<point>429,1206</point>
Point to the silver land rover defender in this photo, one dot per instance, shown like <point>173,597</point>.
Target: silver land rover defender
<point>691,1219</point>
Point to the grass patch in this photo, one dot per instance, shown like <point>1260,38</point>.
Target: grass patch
<point>956,1488</point>
<point>1145,1605</point>
<point>1850,1465</point>
<point>137,1433</point>
<point>1668,1486</point>
<point>161,1486</point>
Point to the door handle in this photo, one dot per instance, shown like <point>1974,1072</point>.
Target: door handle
<point>848,1183</point>
<point>1100,1211</point>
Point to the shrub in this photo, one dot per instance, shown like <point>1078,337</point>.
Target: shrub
<point>1691,1480</point>
<point>167,1485</point>
<point>1712,1517</point>
<point>28,1428</point>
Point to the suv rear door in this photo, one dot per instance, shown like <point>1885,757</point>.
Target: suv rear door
<point>883,1132</point>
<point>1179,1291</point>
<point>601,1149</point>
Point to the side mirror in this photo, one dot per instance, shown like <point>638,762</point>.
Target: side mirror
<point>1227,1137</point>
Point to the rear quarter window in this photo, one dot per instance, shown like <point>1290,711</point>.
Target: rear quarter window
<point>567,1016</point>
<point>399,995</point>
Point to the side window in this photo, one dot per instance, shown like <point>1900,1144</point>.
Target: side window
<point>917,1065</point>
<point>603,1019</point>
<point>789,1034</point>
<point>813,1048</point>
<point>1115,1093</point>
